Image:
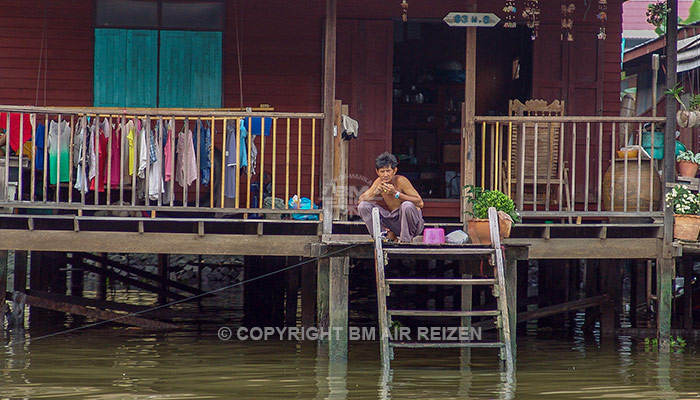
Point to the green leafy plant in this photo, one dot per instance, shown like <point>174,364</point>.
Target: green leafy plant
<point>683,200</point>
<point>481,200</point>
<point>688,156</point>
<point>677,344</point>
<point>694,104</point>
<point>676,92</point>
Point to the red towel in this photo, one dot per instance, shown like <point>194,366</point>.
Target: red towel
<point>14,128</point>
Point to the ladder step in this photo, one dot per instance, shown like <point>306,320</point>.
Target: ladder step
<point>431,281</point>
<point>445,345</point>
<point>439,251</point>
<point>430,313</point>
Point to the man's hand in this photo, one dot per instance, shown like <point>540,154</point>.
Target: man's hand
<point>388,188</point>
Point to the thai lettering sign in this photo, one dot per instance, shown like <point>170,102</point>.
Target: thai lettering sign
<point>472,19</point>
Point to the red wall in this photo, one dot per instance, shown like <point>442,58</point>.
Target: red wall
<point>65,78</point>
<point>281,47</point>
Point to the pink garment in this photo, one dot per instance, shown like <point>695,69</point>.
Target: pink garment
<point>116,165</point>
<point>167,150</point>
<point>186,172</point>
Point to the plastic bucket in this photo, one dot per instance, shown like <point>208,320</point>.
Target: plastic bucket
<point>433,235</point>
<point>658,146</point>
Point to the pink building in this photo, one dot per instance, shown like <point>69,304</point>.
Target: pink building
<point>635,28</point>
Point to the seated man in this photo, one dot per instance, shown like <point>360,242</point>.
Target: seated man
<point>400,212</point>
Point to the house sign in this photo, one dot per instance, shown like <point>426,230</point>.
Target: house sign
<point>486,20</point>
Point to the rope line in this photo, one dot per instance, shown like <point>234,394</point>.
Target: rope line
<point>188,298</point>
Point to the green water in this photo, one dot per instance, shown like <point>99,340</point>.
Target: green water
<point>130,364</point>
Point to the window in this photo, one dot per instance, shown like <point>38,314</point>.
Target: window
<point>161,66</point>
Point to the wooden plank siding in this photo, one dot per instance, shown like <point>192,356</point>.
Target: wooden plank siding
<point>68,50</point>
<point>280,47</point>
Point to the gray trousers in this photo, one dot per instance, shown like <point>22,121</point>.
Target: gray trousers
<point>406,221</point>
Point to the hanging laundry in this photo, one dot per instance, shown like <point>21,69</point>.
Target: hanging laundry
<point>155,173</point>
<point>234,153</point>
<point>131,132</point>
<point>205,151</point>
<point>17,120</point>
<point>231,132</point>
<point>40,143</point>
<point>115,172</point>
<point>144,152</point>
<point>100,142</point>
<point>168,152</point>
<point>92,150</point>
<point>79,163</point>
<point>186,172</point>
<point>58,149</point>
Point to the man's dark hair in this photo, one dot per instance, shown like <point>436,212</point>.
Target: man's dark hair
<point>386,159</point>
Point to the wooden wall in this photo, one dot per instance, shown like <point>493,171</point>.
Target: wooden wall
<point>280,45</point>
<point>65,78</point>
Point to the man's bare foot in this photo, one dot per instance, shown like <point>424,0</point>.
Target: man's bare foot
<point>391,236</point>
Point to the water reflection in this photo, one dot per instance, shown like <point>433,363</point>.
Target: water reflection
<point>119,363</point>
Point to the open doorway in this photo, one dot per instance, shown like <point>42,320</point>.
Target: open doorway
<point>428,92</point>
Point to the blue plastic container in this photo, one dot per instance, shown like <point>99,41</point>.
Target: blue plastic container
<point>658,152</point>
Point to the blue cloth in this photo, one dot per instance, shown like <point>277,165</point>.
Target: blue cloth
<point>205,152</point>
<point>231,150</point>
<point>39,160</point>
<point>256,127</point>
<point>304,204</point>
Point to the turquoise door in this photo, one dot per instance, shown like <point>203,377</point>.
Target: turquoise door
<point>131,71</point>
<point>125,68</point>
<point>190,69</point>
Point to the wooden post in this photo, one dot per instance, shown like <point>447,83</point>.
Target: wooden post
<point>665,262</point>
<point>19,285</point>
<point>20,281</point>
<point>687,292</point>
<point>102,279</point>
<point>290,305</point>
<point>329,58</point>
<point>322,293</point>
<point>665,271</point>
<point>522,279</point>
<point>511,274</point>
<point>468,147</point>
<point>163,266</point>
<point>308,295</point>
<point>3,282</point>
<point>338,308</point>
<point>611,285</point>
<point>466,300</point>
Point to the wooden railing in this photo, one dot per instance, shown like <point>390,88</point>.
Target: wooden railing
<point>109,176</point>
<point>562,166</point>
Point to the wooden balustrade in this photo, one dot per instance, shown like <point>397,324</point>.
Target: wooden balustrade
<point>570,166</point>
<point>54,187</point>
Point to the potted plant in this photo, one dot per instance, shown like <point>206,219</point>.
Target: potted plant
<point>688,163</point>
<point>687,116</point>
<point>686,205</point>
<point>481,200</point>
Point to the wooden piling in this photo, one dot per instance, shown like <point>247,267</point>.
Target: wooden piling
<point>511,284</point>
<point>665,271</point>
<point>322,293</point>
<point>291,296</point>
<point>263,299</point>
<point>163,266</point>
<point>308,295</point>
<point>338,308</point>
<point>687,292</point>
<point>20,280</point>
<point>3,282</point>
<point>611,284</point>
<point>102,279</point>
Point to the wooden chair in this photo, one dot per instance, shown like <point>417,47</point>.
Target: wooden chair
<point>548,160</point>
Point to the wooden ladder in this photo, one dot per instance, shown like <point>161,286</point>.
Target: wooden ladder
<point>494,252</point>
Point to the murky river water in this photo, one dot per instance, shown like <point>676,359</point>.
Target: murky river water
<point>123,363</point>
